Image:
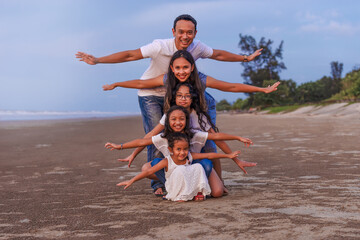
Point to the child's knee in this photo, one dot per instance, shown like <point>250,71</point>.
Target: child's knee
<point>146,166</point>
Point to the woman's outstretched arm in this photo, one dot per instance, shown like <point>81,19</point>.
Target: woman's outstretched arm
<point>238,87</point>
<point>137,83</point>
<point>222,55</point>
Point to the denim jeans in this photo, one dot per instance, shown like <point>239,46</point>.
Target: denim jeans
<point>205,163</point>
<point>151,110</point>
<point>210,145</point>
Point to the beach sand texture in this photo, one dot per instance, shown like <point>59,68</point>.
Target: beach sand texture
<point>58,182</point>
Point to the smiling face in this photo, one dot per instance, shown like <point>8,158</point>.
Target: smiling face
<point>184,34</point>
<point>180,150</point>
<point>177,121</point>
<point>183,97</point>
<point>182,69</point>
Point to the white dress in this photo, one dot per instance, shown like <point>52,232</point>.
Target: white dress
<point>183,182</point>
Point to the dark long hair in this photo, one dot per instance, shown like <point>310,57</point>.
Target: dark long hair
<point>194,105</point>
<point>168,130</point>
<point>193,80</point>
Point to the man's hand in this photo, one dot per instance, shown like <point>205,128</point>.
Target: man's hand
<point>89,59</point>
<point>255,54</point>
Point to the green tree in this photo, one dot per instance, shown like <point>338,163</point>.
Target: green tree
<point>239,104</point>
<point>265,66</point>
<point>336,70</point>
<point>223,105</point>
<point>285,94</point>
<point>314,91</point>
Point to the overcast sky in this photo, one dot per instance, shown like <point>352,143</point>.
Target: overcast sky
<point>39,39</point>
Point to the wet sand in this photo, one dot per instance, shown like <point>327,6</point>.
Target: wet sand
<point>58,182</point>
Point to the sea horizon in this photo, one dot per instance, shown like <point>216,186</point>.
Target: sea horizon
<point>22,115</point>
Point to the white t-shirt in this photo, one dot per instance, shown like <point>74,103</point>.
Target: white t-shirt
<point>196,143</point>
<point>194,122</point>
<point>160,51</point>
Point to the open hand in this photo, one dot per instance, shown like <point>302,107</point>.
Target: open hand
<point>247,142</point>
<point>243,164</point>
<point>255,54</point>
<point>125,183</point>
<point>89,59</point>
<point>234,154</point>
<point>111,146</point>
<point>272,88</point>
<point>108,87</point>
<point>128,159</point>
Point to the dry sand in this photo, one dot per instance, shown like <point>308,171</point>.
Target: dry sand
<point>58,182</point>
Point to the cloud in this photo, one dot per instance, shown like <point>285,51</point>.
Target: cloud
<point>331,27</point>
<point>327,22</point>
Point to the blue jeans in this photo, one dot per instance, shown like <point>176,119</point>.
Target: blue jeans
<point>205,163</point>
<point>210,145</point>
<point>151,110</point>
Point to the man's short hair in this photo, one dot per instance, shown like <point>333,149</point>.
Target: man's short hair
<point>186,17</point>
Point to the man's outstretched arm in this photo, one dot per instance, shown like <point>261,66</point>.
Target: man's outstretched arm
<point>225,56</point>
<point>124,56</point>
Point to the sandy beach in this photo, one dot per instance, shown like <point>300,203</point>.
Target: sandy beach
<point>58,182</point>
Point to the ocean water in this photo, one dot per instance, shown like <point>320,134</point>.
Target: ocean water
<point>49,115</point>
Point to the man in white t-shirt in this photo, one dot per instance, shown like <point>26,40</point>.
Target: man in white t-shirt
<point>160,51</point>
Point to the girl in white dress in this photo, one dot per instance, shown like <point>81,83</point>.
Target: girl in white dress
<point>177,120</point>
<point>184,181</point>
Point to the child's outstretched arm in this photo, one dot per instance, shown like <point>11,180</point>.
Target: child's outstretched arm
<point>133,144</point>
<point>162,164</point>
<point>156,130</point>
<point>137,83</point>
<point>213,155</point>
<point>225,136</point>
<point>238,87</point>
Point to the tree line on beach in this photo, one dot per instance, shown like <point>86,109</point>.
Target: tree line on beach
<point>265,70</point>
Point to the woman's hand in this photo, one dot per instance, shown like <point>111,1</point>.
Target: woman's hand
<point>272,88</point>
<point>108,87</point>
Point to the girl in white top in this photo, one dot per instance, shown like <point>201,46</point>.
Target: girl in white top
<point>184,181</point>
<point>178,121</point>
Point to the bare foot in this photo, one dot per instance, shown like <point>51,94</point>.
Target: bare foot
<point>159,192</point>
